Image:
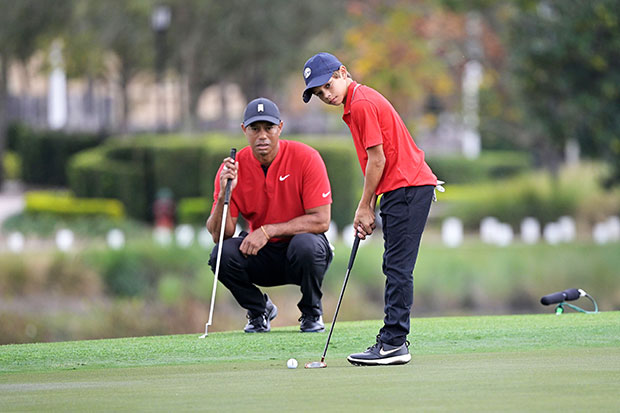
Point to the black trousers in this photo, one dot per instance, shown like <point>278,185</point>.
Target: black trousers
<point>302,261</point>
<point>404,212</point>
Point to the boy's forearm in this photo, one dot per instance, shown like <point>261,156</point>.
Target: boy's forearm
<point>374,172</point>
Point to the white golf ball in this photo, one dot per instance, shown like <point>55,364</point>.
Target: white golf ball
<point>291,364</point>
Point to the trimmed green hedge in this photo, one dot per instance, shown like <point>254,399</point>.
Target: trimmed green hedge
<point>345,177</point>
<point>95,174</point>
<point>217,148</point>
<point>66,205</point>
<point>490,165</point>
<point>45,154</point>
<point>193,210</point>
<point>134,169</point>
<point>575,190</point>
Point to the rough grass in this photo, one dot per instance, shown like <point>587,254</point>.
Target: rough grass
<point>513,363</point>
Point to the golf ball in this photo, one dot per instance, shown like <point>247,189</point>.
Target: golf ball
<point>291,364</point>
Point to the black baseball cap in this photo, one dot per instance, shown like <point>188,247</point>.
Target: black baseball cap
<point>261,109</point>
<point>317,71</point>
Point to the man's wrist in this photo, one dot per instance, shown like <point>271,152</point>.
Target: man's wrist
<point>262,227</point>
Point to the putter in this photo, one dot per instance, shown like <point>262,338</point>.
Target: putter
<point>233,152</point>
<point>321,364</point>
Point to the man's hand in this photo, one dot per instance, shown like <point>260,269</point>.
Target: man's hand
<point>252,243</point>
<point>229,171</point>
<point>364,221</point>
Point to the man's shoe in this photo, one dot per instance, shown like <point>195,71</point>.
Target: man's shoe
<point>311,323</point>
<point>262,322</point>
<point>381,354</point>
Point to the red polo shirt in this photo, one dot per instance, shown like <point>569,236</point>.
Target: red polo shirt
<point>296,181</point>
<point>373,121</point>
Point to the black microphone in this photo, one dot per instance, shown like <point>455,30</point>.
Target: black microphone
<point>566,295</point>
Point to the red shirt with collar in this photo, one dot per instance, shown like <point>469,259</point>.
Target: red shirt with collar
<point>373,121</point>
<point>296,181</point>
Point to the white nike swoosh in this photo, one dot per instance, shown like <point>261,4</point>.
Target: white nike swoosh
<point>325,194</point>
<point>385,353</point>
<point>282,178</point>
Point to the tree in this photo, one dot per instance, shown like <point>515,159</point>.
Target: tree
<point>118,30</point>
<point>565,56</point>
<point>24,26</point>
<point>198,31</point>
<point>254,43</point>
<point>406,50</point>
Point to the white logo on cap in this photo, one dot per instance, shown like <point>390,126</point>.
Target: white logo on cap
<point>261,107</point>
<point>307,72</point>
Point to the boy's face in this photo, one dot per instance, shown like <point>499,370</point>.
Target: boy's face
<point>334,92</point>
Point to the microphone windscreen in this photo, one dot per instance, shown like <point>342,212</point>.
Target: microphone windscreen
<point>572,294</point>
<point>554,298</point>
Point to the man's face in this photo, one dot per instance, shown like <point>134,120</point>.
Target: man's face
<point>263,138</point>
<point>334,91</point>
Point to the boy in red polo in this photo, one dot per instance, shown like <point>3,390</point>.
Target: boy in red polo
<point>393,167</point>
<point>282,190</point>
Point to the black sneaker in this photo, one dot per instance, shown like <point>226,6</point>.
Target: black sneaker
<point>262,322</point>
<point>311,323</point>
<point>381,354</point>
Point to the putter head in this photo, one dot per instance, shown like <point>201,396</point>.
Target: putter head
<point>315,365</point>
<point>206,332</point>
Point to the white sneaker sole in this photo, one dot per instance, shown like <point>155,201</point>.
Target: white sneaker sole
<point>402,359</point>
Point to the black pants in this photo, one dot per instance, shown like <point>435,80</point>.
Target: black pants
<point>302,261</point>
<point>404,212</point>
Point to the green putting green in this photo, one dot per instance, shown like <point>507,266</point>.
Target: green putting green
<point>509,363</point>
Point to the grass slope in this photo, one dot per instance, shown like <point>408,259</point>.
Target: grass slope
<point>525,363</point>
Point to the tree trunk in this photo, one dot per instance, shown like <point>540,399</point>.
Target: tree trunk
<point>124,85</point>
<point>184,110</point>
<point>4,81</point>
<point>194,97</point>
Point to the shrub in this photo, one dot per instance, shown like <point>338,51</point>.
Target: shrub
<point>177,165</point>
<point>193,210</point>
<point>12,165</point>
<point>95,173</point>
<point>345,177</point>
<point>64,204</point>
<point>137,269</point>
<point>45,154</point>
<point>216,150</point>
<point>537,194</point>
<point>14,132</point>
<point>134,170</point>
<point>490,165</point>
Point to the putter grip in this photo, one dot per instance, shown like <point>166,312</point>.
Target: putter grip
<point>566,295</point>
<point>356,244</point>
<point>233,154</point>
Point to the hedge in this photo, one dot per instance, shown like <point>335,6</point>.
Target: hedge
<point>216,150</point>
<point>177,164</point>
<point>64,204</point>
<point>45,154</point>
<point>345,177</point>
<point>490,165</point>
<point>95,174</point>
<point>134,170</point>
<point>193,210</point>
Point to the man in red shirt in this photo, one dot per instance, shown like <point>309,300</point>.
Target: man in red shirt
<point>282,191</point>
<point>393,167</point>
